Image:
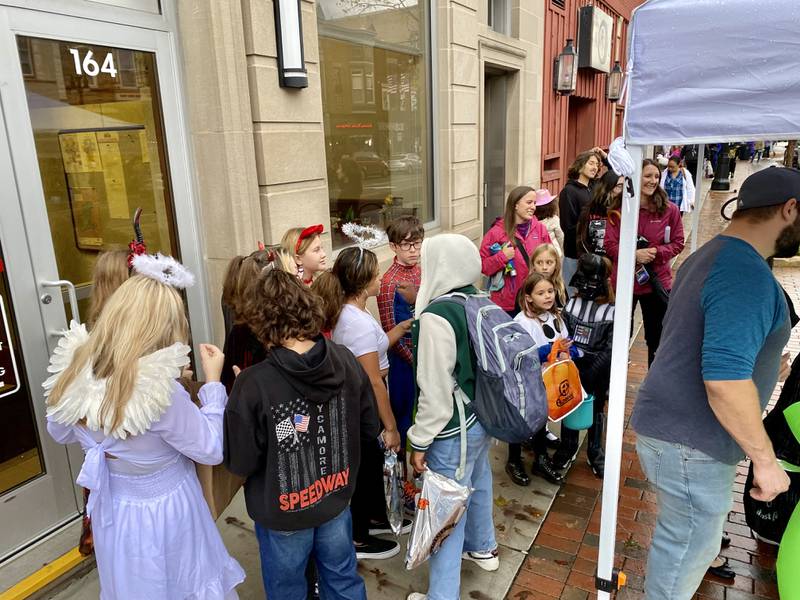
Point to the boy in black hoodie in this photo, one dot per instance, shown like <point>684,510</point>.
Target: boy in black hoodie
<point>294,426</point>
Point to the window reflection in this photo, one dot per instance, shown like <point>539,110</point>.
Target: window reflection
<point>97,127</point>
<point>374,65</point>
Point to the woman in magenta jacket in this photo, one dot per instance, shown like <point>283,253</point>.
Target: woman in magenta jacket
<point>660,240</point>
<point>518,229</point>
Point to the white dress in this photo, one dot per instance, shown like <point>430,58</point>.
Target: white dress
<point>154,535</point>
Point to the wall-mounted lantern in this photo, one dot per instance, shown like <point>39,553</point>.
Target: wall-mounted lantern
<point>614,83</point>
<point>565,70</point>
<point>289,32</point>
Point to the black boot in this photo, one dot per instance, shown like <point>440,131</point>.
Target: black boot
<point>594,448</point>
<point>545,469</point>
<point>516,470</point>
<point>567,451</point>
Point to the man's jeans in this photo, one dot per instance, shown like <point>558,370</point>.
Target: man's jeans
<point>285,554</point>
<point>695,494</point>
<point>475,530</point>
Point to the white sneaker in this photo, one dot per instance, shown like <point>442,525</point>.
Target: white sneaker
<point>487,561</point>
<point>416,596</point>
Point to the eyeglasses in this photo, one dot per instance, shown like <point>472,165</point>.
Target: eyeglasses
<point>406,246</point>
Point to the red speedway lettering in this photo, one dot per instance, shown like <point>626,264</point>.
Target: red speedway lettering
<point>315,492</point>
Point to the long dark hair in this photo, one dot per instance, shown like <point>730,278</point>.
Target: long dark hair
<point>659,198</point>
<point>602,203</point>
<point>580,161</point>
<point>514,196</point>
<point>353,271</point>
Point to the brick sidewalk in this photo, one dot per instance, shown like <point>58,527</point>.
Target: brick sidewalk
<point>563,560</point>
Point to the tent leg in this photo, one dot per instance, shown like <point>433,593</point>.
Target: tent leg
<point>619,374</point>
<point>698,197</point>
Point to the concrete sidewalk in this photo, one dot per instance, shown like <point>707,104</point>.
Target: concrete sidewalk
<point>518,515</point>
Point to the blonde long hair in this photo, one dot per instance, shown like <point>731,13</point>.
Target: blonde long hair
<point>142,316</point>
<point>556,278</point>
<point>110,271</point>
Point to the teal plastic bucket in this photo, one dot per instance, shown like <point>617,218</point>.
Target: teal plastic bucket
<point>582,417</point>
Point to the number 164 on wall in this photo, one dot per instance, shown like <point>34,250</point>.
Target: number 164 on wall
<point>89,66</point>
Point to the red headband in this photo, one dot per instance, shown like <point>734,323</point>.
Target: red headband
<point>308,232</point>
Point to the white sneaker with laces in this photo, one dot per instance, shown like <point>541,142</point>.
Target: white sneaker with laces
<point>488,561</point>
<point>416,596</point>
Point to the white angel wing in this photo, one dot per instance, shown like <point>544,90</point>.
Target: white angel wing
<point>72,339</point>
<point>151,397</point>
<point>152,393</point>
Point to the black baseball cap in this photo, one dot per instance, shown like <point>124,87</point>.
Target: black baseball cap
<point>767,187</point>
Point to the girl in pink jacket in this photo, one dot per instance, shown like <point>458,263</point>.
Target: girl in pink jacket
<point>517,235</point>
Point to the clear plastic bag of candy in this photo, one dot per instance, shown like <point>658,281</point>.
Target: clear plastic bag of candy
<point>440,507</point>
<point>393,490</point>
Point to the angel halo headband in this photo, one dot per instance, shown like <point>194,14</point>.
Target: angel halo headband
<point>164,269</point>
<point>366,237</point>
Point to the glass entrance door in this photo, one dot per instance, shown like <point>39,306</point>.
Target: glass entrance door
<point>97,127</point>
<point>90,130</point>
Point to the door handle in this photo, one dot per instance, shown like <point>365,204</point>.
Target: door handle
<point>485,195</point>
<point>73,296</point>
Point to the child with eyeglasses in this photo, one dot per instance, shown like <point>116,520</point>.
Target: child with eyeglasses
<point>396,299</point>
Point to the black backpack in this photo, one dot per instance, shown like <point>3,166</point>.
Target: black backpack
<point>769,519</point>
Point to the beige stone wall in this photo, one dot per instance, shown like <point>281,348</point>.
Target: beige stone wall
<point>466,45</point>
<point>221,136</point>
<point>259,149</point>
<point>287,126</point>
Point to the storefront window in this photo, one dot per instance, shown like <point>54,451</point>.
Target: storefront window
<point>374,62</point>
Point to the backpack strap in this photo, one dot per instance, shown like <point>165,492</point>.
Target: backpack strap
<point>459,397</point>
<point>521,247</point>
<point>462,424</point>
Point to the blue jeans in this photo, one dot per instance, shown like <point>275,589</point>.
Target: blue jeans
<point>695,494</point>
<point>475,530</point>
<point>285,554</point>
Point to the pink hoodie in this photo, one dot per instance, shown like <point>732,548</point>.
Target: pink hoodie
<point>653,227</point>
<point>492,263</point>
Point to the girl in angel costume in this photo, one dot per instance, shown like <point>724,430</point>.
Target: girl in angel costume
<point>114,391</point>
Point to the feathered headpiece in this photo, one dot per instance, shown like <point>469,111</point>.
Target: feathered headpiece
<point>165,269</point>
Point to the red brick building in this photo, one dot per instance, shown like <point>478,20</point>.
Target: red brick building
<point>571,124</point>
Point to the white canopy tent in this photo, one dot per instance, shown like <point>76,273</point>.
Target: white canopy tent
<point>698,71</point>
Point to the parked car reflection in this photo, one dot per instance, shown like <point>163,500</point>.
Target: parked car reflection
<point>372,164</point>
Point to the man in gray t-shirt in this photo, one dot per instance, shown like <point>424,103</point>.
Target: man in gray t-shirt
<point>698,412</point>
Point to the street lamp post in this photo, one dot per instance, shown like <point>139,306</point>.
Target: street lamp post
<point>722,182</point>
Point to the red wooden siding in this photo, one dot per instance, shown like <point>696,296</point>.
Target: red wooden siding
<point>587,109</point>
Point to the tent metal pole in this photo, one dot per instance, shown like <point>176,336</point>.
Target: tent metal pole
<point>619,374</point>
<point>698,196</point>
